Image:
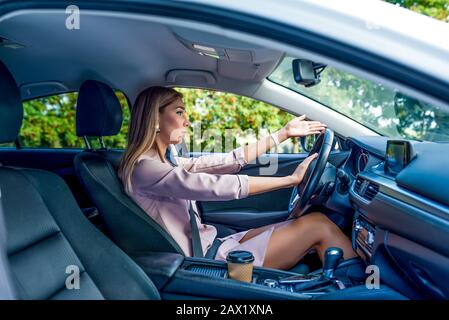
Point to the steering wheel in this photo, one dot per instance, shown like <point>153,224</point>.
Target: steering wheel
<point>308,187</point>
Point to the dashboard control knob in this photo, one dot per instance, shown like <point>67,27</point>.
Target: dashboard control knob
<point>271,283</point>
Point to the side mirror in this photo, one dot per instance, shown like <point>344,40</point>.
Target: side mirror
<point>410,114</point>
<point>306,72</point>
<point>307,142</point>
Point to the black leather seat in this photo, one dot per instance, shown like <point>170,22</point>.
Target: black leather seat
<point>7,291</point>
<point>98,114</point>
<point>48,237</point>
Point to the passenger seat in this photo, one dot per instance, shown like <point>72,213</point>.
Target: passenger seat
<point>49,242</point>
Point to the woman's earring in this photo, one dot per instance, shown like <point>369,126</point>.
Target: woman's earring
<point>157,128</point>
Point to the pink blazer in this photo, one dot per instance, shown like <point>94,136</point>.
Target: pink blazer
<point>164,191</point>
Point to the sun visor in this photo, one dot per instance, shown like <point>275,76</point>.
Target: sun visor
<point>216,46</point>
<point>190,77</point>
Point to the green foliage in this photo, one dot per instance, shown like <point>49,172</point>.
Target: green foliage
<point>222,121</point>
<point>49,122</point>
<point>438,9</point>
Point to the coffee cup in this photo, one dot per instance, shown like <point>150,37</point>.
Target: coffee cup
<point>240,265</point>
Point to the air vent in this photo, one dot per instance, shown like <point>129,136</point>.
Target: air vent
<point>371,191</point>
<point>358,184</point>
<point>366,189</point>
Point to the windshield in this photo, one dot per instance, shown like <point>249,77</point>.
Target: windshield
<point>386,111</point>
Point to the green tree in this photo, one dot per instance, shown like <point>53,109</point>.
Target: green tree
<point>49,122</point>
<point>438,9</point>
<point>215,115</point>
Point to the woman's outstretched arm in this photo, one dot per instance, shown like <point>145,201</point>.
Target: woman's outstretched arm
<point>215,163</point>
<point>258,185</point>
<point>297,127</point>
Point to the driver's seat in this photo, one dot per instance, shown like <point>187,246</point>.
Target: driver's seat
<point>98,114</point>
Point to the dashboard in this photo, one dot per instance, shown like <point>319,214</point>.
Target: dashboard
<point>424,173</point>
<point>359,160</point>
<point>400,198</point>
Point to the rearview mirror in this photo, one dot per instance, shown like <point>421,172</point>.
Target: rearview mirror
<point>307,72</point>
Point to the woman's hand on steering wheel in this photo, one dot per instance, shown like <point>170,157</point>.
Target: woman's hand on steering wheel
<point>304,192</point>
<point>301,170</point>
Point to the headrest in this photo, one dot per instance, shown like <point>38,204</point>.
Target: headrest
<point>98,110</point>
<point>11,109</point>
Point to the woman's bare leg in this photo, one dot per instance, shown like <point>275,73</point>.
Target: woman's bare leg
<point>290,243</point>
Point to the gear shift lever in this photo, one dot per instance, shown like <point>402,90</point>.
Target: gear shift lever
<point>332,257</point>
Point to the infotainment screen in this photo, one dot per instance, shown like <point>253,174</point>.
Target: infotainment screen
<point>398,155</point>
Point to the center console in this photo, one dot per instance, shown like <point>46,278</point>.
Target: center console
<point>179,277</point>
<point>363,236</point>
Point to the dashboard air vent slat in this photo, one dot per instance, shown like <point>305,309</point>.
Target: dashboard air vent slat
<point>366,189</point>
<point>358,184</point>
<point>371,191</point>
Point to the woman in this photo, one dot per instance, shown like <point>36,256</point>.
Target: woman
<point>158,120</point>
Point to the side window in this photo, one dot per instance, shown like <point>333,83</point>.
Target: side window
<point>223,121</point>
<point>49,122</point>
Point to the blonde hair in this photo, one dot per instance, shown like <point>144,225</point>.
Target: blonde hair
<point>142,128</point>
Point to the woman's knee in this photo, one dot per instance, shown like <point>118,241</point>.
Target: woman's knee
<point>313,218</point>
<point>319,222</point>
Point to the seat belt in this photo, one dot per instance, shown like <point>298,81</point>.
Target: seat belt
<point>197,248</point>
<point>196,241</point>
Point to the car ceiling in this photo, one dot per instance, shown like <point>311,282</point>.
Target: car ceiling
<point>128,52</point>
